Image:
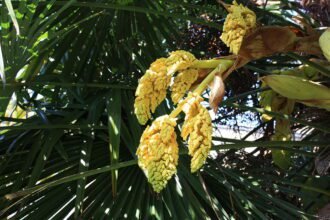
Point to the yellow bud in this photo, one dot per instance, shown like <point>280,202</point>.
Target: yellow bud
<point>158,152</point>
<point>238,23</point>
<point>271,101</point>
<point>300,90</point>
<point>198,126</point>
<point>324,42</point>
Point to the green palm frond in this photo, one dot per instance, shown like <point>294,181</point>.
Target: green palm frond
<point>68,133</point>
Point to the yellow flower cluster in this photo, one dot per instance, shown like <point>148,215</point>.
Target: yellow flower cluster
<point>158,152</point>
<point>152,87</point>
<point>238,23</point>
<point>179,60</point>
<point>182,83</point>
<point>198,126</point>
<point>151,90</point>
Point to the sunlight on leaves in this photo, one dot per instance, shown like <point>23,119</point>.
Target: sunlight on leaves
<point>12,15</point>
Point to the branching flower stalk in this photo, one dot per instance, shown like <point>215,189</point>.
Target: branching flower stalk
<point>158,150</point>
<point>222,66</point>
<point>180,71</point>
<point>207,64</point>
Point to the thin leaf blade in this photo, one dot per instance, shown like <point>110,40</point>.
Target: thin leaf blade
<point>12,15</point>
<point>114,121</point>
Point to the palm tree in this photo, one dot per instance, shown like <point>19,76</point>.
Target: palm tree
<point>69,134</point>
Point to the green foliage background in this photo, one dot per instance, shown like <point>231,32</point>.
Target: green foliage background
<point>75,65</point>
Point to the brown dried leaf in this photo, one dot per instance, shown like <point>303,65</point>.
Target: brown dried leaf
<point>304,25</point>
<point>270,40</point>
<point>217,92</point>
<point>309,45</point>
<point>266,41</point>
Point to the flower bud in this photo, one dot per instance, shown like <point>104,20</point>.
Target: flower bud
<point>300,90</point>
<point>324,42</point>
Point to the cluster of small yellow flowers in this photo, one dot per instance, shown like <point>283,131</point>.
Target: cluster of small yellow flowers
<point>238,23</point>
<point>182,83</point>
<point>158,152</point>
<point>152,87</point>
<point>179,60</point>
<point>151,90</point>
<point>198,126</point>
